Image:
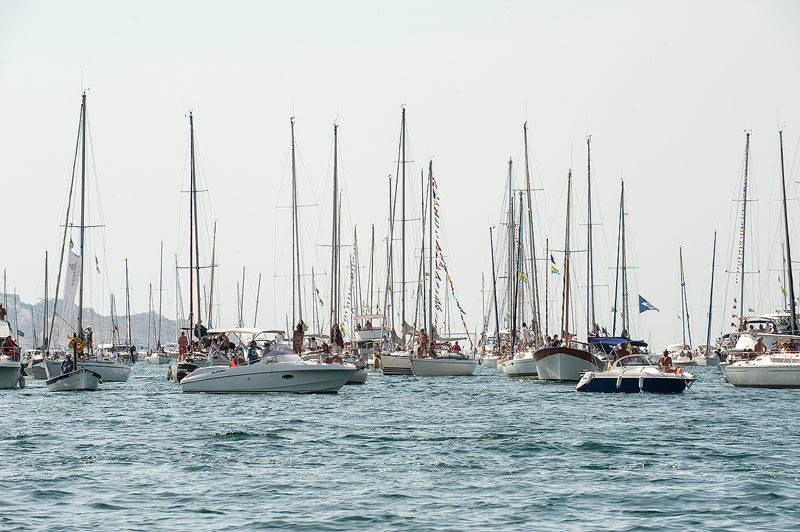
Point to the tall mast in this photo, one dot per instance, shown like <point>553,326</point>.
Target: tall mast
<point>196,244</point>
<point>371,287</point>
<point>128,306</point>
<point>46,342</point>
<point>535,325</point>
<point>258,296</point>
<point>335,233</point>
<point>565,290</point>
<point>790,280</point>
<point>684,307</point>
<point>625,318</point>
<point>591,325</point>
<point>494,295</point>
<point>744,224</point>
<point>83,227</point>
<point>160,288</point>
<point>432,278</point>
<point>547,287</point>
<point>192,194</point>
<point>515,310</point>
<point>297,307</point>
<point>403,230</point>
<point>711,296</point>
<point>510,267</point>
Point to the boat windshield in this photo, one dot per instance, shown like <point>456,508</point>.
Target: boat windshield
<point>633,360</point>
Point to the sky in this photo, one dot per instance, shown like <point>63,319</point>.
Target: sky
<point>666,90</point>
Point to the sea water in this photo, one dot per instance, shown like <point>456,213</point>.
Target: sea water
<point>400,453</point>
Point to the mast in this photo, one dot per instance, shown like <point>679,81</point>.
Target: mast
<point>591,321</point>
<point>790,280</point>
<point>431,280</point>
<point>403,230</point>
<point>128,306</point>
<point>211,287</point>
<point>160,288</point>
<point>565,290</point>
<point>744,224</point>
<point>547,288</point>
<point>297,305</point>
<point>494,295</point>
<point>192,194</point>
<point>149,315</point>
<point>515,310</point>
<point>335,273</point>
<point>711,296</point>
<point>371,285</point>
<point>625,318</point>
<point>46,342</point>
<point>83,221</point>
<point>535,277</point>
<point>241,302</point>
<point>684,307</point>
<point>258,296</point>
<point>511,232</point>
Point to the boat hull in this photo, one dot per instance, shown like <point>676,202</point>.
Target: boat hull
<point>754,376</point>
<point>158,359</point>
<point>10,375</point>
<point>359,377</point>
<point>396,364</point>
<point>488,362</point>
<point>443,367</point>
<point>634,380</point>
<point>564,363</point>
<point>79,380</point>
<point>109,371</point>
<point>304,377</point>
<point>520,367</point>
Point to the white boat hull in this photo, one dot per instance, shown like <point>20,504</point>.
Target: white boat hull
<point>289,377</point>
<point>109,371</point>
<point>520,367</point>
<point>765,372</point>
<point>359,377</point>
<point>442,367</point>
<point>398,363</point>
<point>563,363</point>
<point>488,362</point>
<point>707,361</point>
<point>10,375</point>
<point>158,359</point>
<point>79,380</point>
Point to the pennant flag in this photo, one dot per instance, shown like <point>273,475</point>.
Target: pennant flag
<point>553,269</point>
<point>522,276</point>
<point>613,309</point>
<point>750,309</point>
<point>644,305</point>
<point>20,333</point>
<point>97,264</point>
<point>70,243</point>
<point>552,259</point>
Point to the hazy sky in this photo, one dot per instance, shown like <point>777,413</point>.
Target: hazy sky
<point>665,89</point>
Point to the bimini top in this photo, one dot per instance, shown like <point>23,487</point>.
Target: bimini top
<point>613,341</point>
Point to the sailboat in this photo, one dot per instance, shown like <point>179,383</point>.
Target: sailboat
<point>681,354</point>
<point>706,354</point>
<point>773,369</point>
<point>398,362</point>
<point>437,361</point>
<point>80,378</point>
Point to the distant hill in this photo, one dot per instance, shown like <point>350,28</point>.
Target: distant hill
<point>29,320</point>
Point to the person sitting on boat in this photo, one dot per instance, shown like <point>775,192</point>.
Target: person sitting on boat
<point>759,347</point>
<point>113,354</point>
<point>665,362</point>
<point>225,345</point>
<point>368,325</point>
<point>11,349</point>
<point>67,366</point>
<point>456,348</point>
<point>556,342</point>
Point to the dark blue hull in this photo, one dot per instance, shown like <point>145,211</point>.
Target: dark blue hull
<point>631,385</point>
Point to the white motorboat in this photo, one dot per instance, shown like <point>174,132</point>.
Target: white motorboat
<point>395,363</point>
<point>443,366</point>
<point>773,370</point>
<point>281,370</point>
<point>488,361</point>
<point>158,357</point>
<point>681,355</point>
<point>81,379</point>
<point>704,357</point>
<point>635,374</point>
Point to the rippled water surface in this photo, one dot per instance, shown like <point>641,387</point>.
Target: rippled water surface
<point>400,453</point>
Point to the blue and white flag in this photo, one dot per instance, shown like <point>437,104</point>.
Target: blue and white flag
<point>645,305</point>
<point>20,333</point>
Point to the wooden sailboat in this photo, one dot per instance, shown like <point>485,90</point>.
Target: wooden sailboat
<point>78,378</point>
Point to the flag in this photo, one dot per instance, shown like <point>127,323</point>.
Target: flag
<point>70,243</point>
<point>613,309</point>
<point>97,264</point>
<point>750,309</point>
<point>645,305</point>
<point>784,292</point>
<point>20,333</point>
<point>522,276</point>
<point>553,270</point>
<point>552,259</point>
